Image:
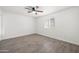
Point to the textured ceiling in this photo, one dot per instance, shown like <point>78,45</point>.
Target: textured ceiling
<point>22,10</point>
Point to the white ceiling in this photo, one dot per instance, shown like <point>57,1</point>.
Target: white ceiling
<point>21,10</point>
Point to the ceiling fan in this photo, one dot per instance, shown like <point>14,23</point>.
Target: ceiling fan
<point>33,9</point>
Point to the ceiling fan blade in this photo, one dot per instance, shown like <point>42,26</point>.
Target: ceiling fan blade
<point>38,11</point>
<point>37,7</point>
<point>28,8</point>
<point>30,11</point>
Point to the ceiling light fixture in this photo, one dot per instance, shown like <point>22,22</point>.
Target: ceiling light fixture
<point>32,9</point>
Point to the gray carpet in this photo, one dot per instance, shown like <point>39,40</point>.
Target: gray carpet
<point>36,44</point>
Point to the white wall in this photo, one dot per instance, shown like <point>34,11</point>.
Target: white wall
<point>15,25</point>
<point>0,27</point>
<point>0,24</point>
<point>66,25</point>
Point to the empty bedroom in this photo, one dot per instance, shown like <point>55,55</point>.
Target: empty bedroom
<point>39,29</point>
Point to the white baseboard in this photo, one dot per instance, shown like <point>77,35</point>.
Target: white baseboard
<point>5,38</point>
<point>58,38</point>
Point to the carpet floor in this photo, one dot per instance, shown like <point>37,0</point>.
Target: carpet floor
<point>36,43</point>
